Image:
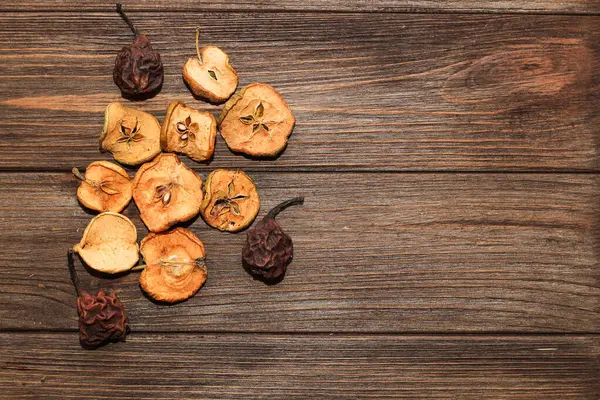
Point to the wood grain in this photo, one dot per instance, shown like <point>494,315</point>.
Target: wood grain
<point>373,253</point>
<point>301,367</point>
<point>471,6</point>
<point>392,92</point>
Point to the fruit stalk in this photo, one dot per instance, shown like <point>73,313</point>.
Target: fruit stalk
<point>198,44</point>
<point>282,206</point>
<point>126,19</point>
<point>72,272</point>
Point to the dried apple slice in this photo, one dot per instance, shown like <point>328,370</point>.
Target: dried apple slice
<point>131,136</point>
<point>231,200</point>
<point>175,268</point>
<point>109,244</point>
<point>104,187</point>
<point>210,75</point>
<point>256,121</point>
<point>189,131</point>
<point>166,192</point>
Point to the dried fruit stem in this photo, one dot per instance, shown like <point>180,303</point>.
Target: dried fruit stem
<point>78,174</point>
<point>197,43</point>
<point>282,206</point>
<point>72,271</point>
<point>139,267</point>
<point>126,19</point>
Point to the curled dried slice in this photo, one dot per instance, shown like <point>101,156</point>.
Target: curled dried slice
<point>189,131</point>
<point>231,200</point>
<point>104,187</point>
<point>210,75</point>
<point>132,136</point>
<point>109,243</point>
<point>256,121</point>
<point>166,192</point>
<point>175,267</point>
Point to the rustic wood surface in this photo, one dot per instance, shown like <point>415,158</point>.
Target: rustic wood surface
<point>242,366</point>
<point>449,245</point>
<point>383,92</point>
<point>373,253</point>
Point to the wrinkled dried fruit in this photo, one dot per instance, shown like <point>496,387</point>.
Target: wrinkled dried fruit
<point>268,249</point>
<point>102,317</point>
<point>231,200</point>
<point>105,187</point>
<point>210,76</point>
<point>256,121</point>
<point>189,131</point>
<point>109,244</point>
<point>138,69</point>
<point>175,266</point>
<point>166,192</point>
<point>132,136</point>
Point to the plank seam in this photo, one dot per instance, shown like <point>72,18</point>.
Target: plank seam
<point>321,333</point>
<point>308,11</point>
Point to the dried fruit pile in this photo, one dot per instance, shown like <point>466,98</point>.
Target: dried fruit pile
<point>256,121</point>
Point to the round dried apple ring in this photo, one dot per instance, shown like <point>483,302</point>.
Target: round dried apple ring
<point>175,268</point>
<point>231,200</point>
<point>166,192</point>
<point>131,136</point>
<point>104,187</point>
<point>256,121</point>
<point>109,244</point>
<point>189,131</point>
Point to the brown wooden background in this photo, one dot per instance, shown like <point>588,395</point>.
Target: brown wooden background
<point>449,245</point>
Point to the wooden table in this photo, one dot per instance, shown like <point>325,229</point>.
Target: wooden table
<point>449,244</point>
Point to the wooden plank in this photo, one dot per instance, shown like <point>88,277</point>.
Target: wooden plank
<point>431,6</point>
<point>373,253</point>
<point>377,92</point>
<point>182,366</point>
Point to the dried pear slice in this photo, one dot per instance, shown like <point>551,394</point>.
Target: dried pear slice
<point>188,131</point>
<point>231,200</point>
<point>131,136</point>
<point>175,268</point>
<point>104,187</point>
<point>210,75</point>
<point>109,244</point>
<point>166,192</point>
<point>256,121</point>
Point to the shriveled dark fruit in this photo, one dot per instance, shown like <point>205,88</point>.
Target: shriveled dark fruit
<point>231,201</point>
<point>104,187</point>
<point>102,317</point>
<point>210,75</point>
<point>131,136</point>
<point>256,121</point>
<point>188,131</point>
<point>166,192</point>
<point>268,249</point>
<point>138,69</point>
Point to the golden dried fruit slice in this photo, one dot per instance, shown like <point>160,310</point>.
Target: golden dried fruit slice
<point>109,244</point>
<point>132,136</point>
<point>105,187</point>
<point>175,267</point>
<point>189,131</point>
<point>231,200</point>
<point>210,75</point>
<point>166,192</point>
<point>256,121</point>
